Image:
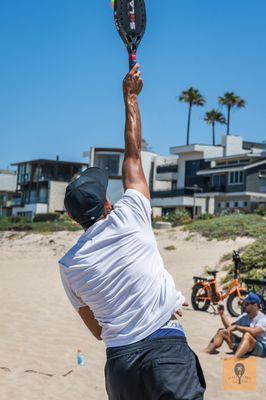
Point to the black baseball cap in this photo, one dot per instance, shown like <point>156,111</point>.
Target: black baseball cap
<point>85,196</point>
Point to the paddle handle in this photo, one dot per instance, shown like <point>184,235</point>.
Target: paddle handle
<point>132,61</point>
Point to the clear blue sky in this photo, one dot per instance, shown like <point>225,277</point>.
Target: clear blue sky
<point>62,63</point>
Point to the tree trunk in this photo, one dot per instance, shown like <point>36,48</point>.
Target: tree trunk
<point>188,123</point>
<point>213,133</point>
<point>228,120</point>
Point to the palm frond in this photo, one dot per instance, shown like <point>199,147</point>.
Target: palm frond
<point>193,97</point>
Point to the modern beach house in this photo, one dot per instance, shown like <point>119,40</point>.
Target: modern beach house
<point>237,179</point>
<point>41,185</point>
<point>199,178</point>
<point>214,178</point>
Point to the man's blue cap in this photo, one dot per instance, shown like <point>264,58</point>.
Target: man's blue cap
<point>252,298</point>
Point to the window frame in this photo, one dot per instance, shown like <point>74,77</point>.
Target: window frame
<point>234,181</point>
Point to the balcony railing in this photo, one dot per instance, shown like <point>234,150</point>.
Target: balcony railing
<point>163,169</point>
<point>186,192</point>
<point>171,193</point>
<point>219,188</point>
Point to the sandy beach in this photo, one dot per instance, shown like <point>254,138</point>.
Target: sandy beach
<point>40,331</point>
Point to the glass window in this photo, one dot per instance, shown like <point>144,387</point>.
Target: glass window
<point>219,205</point>
<point>219,180</point>
<point>236,203</point>
<point>109,162</point>
<point>43,195</point>
<point>244,161</point>
<point>227,204</point>
<point>191,177</point>
<point>174,185</point>
<point>33,196</point>
<point>236,177</point>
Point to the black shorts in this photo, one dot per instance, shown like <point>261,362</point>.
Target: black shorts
<point>164,368</point>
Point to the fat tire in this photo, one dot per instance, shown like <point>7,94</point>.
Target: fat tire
<point>229,303</point>
<point>194,303</point>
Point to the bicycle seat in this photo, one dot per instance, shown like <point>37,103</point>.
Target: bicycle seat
<point>212,273</point>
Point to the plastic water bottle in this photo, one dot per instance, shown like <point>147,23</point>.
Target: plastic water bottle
<point>80,359</point>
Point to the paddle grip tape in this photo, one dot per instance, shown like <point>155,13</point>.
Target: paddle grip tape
<point>132,61</point>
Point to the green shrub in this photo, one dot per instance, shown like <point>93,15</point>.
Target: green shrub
<point>254,262</point>
<point>179,217</point>
<point>205,216</point>
<point>18,219</point>
<point>261,210</point>
<point>46,217</point>
<point>230,227</point>
<point>24,224</point>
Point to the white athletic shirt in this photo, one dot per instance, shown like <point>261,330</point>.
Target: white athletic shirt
<point>259,320</point>
<point>116,269</point>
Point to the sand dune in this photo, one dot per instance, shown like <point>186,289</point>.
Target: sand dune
<point>40,332</point>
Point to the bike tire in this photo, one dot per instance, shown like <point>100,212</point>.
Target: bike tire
<point>235,312</point>
<point>195,303</point>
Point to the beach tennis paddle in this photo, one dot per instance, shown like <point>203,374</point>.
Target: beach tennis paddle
<point>130,20</point>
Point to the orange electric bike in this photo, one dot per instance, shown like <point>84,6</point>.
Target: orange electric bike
<point>206,293</point>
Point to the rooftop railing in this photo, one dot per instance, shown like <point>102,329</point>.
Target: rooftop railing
<point>162,169</point>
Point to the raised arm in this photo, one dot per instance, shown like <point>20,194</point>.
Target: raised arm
<point>133,175</point>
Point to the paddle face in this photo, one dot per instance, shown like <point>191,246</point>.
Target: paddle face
<point>130,19</point>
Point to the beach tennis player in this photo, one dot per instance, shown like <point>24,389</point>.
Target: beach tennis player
<point>115,278</point>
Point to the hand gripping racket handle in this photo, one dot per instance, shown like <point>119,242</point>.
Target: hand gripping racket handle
<point>132,61</point>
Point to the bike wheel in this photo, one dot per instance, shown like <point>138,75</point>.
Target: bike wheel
<point>200,304</point>
<point>233,306</point>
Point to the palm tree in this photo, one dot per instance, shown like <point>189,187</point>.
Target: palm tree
<point>231,100</point>
<point>211,117</point>
<point>194,98</point>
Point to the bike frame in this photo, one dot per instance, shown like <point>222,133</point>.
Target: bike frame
<point>234,286</point>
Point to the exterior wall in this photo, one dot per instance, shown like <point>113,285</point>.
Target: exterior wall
<point>210,206</point>
<point>8,181</point>
<point>147,159</point>
<point>233,145</point>
<point>254,183</point>
<point>235,187</point>
<point>182,201</point>
<point>158,184</point>
<point>247,202</point>
<point>56,196</point>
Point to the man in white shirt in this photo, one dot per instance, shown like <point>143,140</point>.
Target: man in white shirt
<point>115,278</point>
<point>251,324</point>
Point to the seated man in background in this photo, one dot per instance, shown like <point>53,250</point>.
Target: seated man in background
<point>252,325</point>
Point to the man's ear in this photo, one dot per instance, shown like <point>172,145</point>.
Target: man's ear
<point>108,207</point>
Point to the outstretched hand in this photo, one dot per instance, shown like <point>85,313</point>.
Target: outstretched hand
<point>133,84</point>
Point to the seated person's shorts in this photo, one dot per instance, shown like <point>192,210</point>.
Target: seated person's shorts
<point>258,351</point>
